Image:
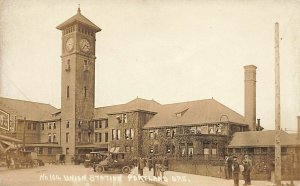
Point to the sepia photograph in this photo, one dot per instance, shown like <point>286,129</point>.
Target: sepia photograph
<point>149,92</point>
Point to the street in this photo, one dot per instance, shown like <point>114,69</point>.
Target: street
<point>77,175</point>
<point>63,175</point>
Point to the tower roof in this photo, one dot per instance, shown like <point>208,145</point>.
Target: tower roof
<point>78,18</point>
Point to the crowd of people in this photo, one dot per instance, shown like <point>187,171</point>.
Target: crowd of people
<point>233,168</point>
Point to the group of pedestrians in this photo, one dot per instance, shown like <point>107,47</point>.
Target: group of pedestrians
<point>233,169</point>
<point>158,166</point>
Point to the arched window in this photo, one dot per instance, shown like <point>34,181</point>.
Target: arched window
<point>85,92</point>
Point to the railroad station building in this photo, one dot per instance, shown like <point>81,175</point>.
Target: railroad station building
<point>200,130</point>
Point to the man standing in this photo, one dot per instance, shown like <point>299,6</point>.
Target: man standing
<point>226,167</point>
<point>141,165</point>
<point>247,170</point>
<point>236,171</point>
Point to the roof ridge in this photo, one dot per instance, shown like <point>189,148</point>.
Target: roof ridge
<point>188,101</point>
<point>26,101</point>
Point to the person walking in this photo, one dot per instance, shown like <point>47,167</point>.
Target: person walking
<point>235,171</point>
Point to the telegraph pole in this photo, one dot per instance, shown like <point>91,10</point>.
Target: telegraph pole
<point>24,135</point>
<point>277,110</point>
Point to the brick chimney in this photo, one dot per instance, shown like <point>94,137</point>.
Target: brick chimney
<point>250,96</point>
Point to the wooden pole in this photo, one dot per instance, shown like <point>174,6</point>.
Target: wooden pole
<point>277,110</point>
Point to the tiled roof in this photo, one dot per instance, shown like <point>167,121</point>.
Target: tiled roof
<point>78,18</point>
<point>31,110</point>
<point>193,112</point>
<point>134,105</point>
<point>262,139</point>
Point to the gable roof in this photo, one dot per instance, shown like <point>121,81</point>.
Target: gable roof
<point>262,139</point>
<point>31,110</point>
<point>78,18</point>
<point>137,104</point>
<point>193,112</point>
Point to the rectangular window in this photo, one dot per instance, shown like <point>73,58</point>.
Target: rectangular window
<point>193,130</point>
<point>173,133</point>
<point>49,126</point>
<point>89,137</point>
<point>79,136</point>
<point>151,134</point>
<point>106,123</point>
<point>49,150</point>
<point>49,137</point>
<point>131,133</point>
<point>42,125</point>
<point>79,124</point>
<point>118,134</point>
<point>54,125</point>
<point>54,137</point>
<point>67,137</point>
<point>127,134</point>
<point>28,126</point>
<point>106,136</point>
<point>191,151</point>
<point>96,137</point>
<point>168,149</point>
<point>97,124</point>
<point>100,137</point>
<point>214,151</point>
<point>114,134</point>
<point>68,124</point>
<point>122,118</point>
<point>67,150</point>
<point>40,150</point>
<point>34,126</point>
<point>168,133</point>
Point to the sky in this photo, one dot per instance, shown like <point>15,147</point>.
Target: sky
<point>169,51</point>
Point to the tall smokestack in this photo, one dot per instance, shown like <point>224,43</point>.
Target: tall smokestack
<point>250,96</point>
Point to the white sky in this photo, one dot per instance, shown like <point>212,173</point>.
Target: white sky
<point>171,51</point>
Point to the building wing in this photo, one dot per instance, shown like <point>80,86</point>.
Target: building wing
<point>31,110</point>
<point>193,112</point>
<point>262,139</point>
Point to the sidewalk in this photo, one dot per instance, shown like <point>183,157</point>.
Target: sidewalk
<point>181,179</point>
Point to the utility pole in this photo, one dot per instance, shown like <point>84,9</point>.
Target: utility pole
<point>277,110</point>
<point>24,128</point>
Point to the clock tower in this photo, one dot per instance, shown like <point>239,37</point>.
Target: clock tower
<point>78,82</point>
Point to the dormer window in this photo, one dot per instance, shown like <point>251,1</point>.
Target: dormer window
<point>180,114</point>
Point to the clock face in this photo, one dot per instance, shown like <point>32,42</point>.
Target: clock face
<point>70,44</point>
<point>85,46</point>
